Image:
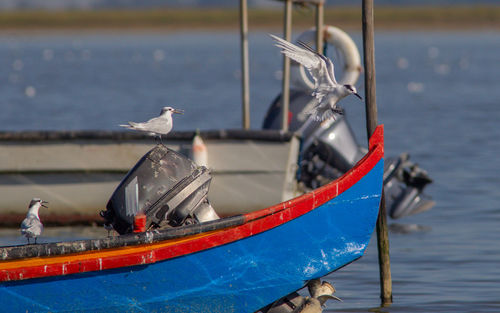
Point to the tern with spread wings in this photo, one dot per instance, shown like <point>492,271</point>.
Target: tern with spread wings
<point>327,91</point>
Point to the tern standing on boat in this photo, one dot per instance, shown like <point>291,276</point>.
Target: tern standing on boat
<point>32,227</point>
<point>326,89</point>
<point>156,126</point>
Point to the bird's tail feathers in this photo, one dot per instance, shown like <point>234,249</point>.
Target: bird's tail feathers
<point>131,125</point>
<point>126,126</point>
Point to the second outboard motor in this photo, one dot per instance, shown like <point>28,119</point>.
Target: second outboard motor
<point>404,183</point>
<point>330,149</point>
<point>166,187</point>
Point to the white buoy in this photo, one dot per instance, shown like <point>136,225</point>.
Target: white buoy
<point>199,151</point>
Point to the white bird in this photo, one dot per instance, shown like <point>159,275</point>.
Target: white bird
<point>156,126</point>
<point>326,89</point>
<point>32,227</point>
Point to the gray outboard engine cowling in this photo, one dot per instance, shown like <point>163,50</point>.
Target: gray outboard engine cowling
<point>166,187</point>
<point>329,149</point>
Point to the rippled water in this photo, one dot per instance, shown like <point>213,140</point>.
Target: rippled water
<point>438,96</point>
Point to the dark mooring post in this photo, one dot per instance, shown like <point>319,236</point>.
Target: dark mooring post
<point>287,35</point>
<point>245,77</point>
<point>371,124</point>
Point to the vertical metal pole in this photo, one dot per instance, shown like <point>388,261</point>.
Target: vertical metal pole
<point>371,124</point>
<point>319,26</point>
<point>286,66</point>
<point>245,81</point>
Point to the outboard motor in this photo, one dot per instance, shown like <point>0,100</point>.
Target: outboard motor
<point>330,149</point>
<point>404,183</point>
<point>165,186</point>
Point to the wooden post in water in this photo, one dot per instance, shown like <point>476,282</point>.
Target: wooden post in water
<point>245,77</point>
<point>371,124</point>
<point>319,25</point>
<point>285,94</point>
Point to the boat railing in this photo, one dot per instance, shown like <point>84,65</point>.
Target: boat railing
<point>287,34</point>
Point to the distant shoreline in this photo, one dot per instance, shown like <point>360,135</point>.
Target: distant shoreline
<point>386,18</point>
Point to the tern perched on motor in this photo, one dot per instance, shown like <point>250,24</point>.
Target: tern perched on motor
<point>156,126</point>
<point>32,227</point>
<point>326,89</point>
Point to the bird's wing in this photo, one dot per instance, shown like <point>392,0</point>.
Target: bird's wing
<point>155,120</point>
<point>28,222</point>
<point>329,64</point>
<point>314,62</point>
<point>331,70</point>
<point>31,225</point>
<point>300,55</point>
<point>159,125</point>
<point>326,79</point>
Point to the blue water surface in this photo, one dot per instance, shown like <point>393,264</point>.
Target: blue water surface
<point>437,93</point>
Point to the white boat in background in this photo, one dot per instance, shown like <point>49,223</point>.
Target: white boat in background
<point>77,171</point>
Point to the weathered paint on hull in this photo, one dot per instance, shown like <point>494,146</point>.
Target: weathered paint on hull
<point>240,276</point>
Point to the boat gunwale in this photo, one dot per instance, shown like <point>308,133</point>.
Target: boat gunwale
<point>158,245</point>
<point>47,136</point>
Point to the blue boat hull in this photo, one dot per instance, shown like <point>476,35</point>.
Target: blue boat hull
<point>240,276</point>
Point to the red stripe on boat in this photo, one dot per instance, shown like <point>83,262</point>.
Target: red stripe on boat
<point>255,222</point>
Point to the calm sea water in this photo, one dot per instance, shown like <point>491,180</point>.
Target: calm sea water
<point>438,96</point>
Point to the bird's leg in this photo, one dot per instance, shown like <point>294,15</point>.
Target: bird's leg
<point>338,110</point>
<point>109,228</point>
<point>28,239</point>
<point>35,240</point>
<point>158,140</point>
